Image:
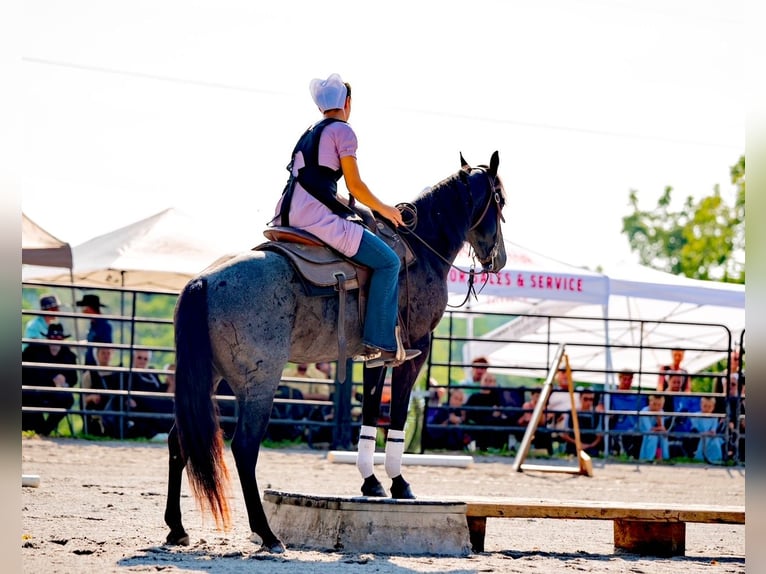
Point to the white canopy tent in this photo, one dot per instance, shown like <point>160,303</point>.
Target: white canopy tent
<point>645,307</point>
<point>38,247</point>
<point>161,252</point>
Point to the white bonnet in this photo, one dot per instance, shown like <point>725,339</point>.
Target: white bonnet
<point>328,94</point>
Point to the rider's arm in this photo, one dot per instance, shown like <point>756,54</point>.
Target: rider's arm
<point>361,192</point>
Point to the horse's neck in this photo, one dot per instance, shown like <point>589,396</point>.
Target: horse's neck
<point>443,222</point>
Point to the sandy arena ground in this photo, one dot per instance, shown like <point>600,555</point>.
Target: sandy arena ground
<point>99,508</point>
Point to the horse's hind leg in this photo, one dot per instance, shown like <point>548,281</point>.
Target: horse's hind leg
<point>176,465</point>
<point>251,427</point>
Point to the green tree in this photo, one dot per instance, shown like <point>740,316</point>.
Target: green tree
<point>703,240</point>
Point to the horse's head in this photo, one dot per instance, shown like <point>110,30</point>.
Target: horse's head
<point>485,234</point>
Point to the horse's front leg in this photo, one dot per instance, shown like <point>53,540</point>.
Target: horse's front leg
<point>371,396</point>
<point>402,380</point>
<point>176,464</point>
<point>245,446</point>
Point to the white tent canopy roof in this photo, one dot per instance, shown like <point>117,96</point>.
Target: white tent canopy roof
<point>38,247</point>
<point>645,307</point>
<point>162,252</point>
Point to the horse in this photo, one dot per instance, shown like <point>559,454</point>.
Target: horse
<point>242,319</point>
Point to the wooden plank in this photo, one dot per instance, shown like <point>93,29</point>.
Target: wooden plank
<point>591,510</point>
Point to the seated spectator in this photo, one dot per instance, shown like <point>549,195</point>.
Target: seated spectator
<point>735,419</point>
<point>442,431</point>
<point>103,379</point>
<point>47,377</point>
<point>542,438</point>
<point>146,427</point>
<point>677,357</point>
<point>679,401</point>
<point>226,408</point>
<point>100,330</point>
<point>309,391</point>
<point>559,402</point>
<point>589,421</point>
<point>435,401</point>
<point>625,399</point>
<point>487,410</point>
<point>292,412</point>
<point>710,446</point>
<point>479,366</point>
<point>654,439</point>
<point>37,326</point>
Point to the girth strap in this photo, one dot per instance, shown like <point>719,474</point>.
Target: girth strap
<point>341,277</point>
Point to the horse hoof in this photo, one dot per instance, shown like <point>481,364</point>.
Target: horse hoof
<point>372,487</point>
<point>400,489</point>
<point>275,547</point>
<point>177,538</point>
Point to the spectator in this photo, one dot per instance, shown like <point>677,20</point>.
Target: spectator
<point>54,354</point>
<point>100,330</point>
<point>680,402</point>
<point>677,356</point>
<point>486,409</point>
<point>479,366</point>
<point>542,438</point>
<point>710,445</point>
<point>103,379</point>
<point>559,401</point>
<point>37,326</point>
<point>310,391</point>
<point>589,421</point>
<point>442,430</point>
<point>654,439</point>
<point>146,427</point>
<point>226,408</point>
<point>625,399</point>
<point>735,417</point>
<point>326,368</point>
<point>170,378</point>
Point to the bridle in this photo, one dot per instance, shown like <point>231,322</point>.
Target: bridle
<point>495,197</point>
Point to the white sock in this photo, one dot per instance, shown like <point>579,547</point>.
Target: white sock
<point>394,451</point>
<point>366,450</point>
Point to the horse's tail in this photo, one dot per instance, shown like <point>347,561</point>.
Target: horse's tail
<point>199,431</point>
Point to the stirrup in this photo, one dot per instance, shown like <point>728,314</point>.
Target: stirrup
<point>389,358</point>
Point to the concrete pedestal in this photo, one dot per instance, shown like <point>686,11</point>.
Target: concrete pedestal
<point>364,524</point>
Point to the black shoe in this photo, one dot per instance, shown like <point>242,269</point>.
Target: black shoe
<point>400,489</point>
<point>372,487</point>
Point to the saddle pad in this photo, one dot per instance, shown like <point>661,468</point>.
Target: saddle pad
<point>317,265</point>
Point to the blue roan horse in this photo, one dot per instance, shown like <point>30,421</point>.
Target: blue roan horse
<point>242,320</point>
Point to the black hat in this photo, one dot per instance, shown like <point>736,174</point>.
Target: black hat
<point>91,301</point>
<point>55,331</point>
<point>48,302</point>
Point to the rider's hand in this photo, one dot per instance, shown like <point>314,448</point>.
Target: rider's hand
<point>392,214</point>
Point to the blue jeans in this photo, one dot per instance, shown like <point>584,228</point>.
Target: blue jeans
<point>383,302</point>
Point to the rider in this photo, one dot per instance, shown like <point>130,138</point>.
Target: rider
<point>324,153</point>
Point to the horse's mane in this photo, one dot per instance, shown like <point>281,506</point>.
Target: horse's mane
<point>443,214</point>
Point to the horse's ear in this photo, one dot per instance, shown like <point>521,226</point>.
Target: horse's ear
<point>464,164</point>
<point>494,162</point>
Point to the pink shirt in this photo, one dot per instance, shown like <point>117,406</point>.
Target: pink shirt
<point>308,213</point>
